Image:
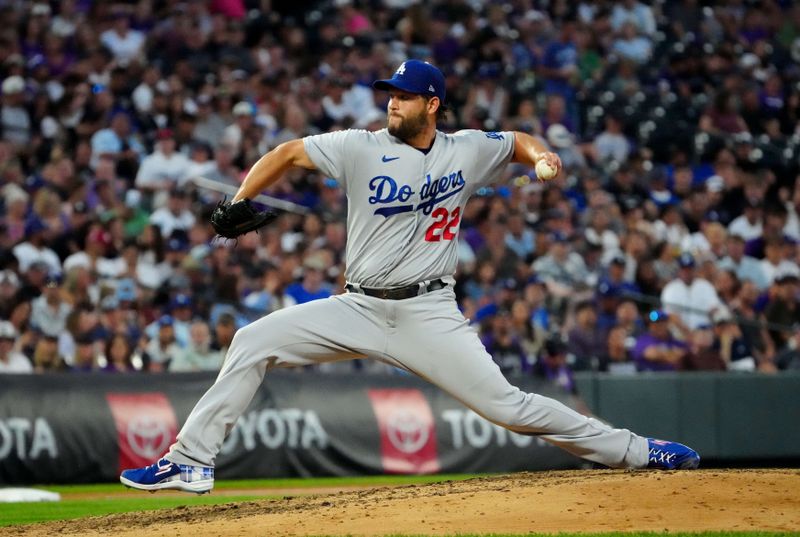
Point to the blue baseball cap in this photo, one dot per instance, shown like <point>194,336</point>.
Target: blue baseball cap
<point>415,76</point>
<point>686,260</point>
<point>180,301</point>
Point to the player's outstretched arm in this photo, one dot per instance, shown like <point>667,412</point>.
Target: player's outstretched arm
<point>529,150</point>
<point>271,167</point>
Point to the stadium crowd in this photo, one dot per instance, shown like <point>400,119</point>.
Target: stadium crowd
<point>669,243</point>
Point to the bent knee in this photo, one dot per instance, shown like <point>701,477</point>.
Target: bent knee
<point>262,336</point>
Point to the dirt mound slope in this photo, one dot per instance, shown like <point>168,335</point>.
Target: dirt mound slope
<point>546,502</point>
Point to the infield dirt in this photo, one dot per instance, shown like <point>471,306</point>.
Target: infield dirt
<point>547,502</point>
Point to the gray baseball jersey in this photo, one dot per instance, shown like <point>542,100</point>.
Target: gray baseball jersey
<point>404,214</point>
<point>405,206</point>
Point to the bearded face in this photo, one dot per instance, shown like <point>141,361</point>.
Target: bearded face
<point>407,128</point>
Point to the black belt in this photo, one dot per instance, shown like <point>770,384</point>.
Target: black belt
<point>398,293</point>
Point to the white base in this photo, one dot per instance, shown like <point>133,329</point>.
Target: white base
<point>13,495</point>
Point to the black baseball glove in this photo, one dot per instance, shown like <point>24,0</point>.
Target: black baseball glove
<point>231,219</point>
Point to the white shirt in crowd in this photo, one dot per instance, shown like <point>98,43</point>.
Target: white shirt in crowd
<point>691,303</point>
<point>158,168</point>
<point>792,227</point>
<point>783,267</point>
<point>168,221</point>
<point>16,362</point>
<point>742,227</point>
<point>124,47</point>
<point>106,267</point>
<point>27,254</point>
<point>52,320</point>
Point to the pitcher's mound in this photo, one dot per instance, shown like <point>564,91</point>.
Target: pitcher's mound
<point>552,502</point>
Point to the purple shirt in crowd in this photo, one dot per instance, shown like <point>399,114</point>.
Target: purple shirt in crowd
<point>647,340</point>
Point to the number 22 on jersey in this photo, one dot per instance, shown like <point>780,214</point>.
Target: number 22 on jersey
<point>445,225</point>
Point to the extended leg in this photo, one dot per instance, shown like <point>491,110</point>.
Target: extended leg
<point>339,328</point>
<point>445,350</point>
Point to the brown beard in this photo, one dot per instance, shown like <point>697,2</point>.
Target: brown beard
<point>409,127</point>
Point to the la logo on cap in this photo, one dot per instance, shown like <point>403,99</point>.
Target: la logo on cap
<point>430,88</point>
<point>401,70</point>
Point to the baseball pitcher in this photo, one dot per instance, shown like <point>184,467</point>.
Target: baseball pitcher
<point>407,186</point>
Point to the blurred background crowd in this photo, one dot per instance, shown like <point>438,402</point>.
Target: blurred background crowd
<point>669,243</point>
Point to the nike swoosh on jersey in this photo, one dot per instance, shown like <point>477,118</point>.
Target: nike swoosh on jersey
<point>388,159</point>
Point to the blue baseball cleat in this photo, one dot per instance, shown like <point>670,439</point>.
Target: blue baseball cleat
<point>664,455</point>
<point>165,474</point>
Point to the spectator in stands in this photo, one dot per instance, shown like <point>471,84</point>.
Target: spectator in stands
<point>313,285</point>
<point>16,210</point>
<point>615,358</point>
<point>561,268</point>
<point>85,358</point>
<point>497,252</point>
<point>15,120</point>
<point>689,298</point>
<point>783,309</point>
<point>161,349</point>
<point>35,249</point>
<point>126,44</point>
<point>503,343</point>
<point>164,168</point>
<point>657,349</point>
<point>49,311</point>
<point>176,215</point>
<point>198,355</point>
<point>11,360</point>
<point>789,359</point>
<point>531,334</point>
<point>611,145</point>
<point>586,340</point>
<point>628,194</point>
<point>749,224</point>
<point>745,267</point>
<point>519,237</point>
<point>117,143</point>
<point>733,347</point>
<point>703,355</point>
<point>45,354</point>
<point>633,12</point>
<point>752,322</point>
<point>792,227</point>
<point>118,355</point>
<point>563,143</point>
<point>224,330</point>
<point>560,70</point>
<point>616,276</point>
<point>9,285</point>
<point>631,46</point>
<point>774,263</point>
<point>723,117</point>
<point>244,114</point>
<point>726,284</point>
<point>552,365</point>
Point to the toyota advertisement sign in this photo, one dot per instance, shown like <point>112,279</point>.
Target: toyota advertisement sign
<point>86,428</point>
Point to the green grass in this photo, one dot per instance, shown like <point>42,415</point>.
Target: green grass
<point>26,513</point>
<point>12,514</point>
<point>284,483</point>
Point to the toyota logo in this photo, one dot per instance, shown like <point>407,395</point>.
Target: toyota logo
<point>406,431</point>
<point>147,436</point>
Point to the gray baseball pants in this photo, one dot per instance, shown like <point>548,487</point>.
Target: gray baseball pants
<point>426,335</point>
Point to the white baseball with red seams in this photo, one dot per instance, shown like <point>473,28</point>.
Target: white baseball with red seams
<point>404,215</point>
